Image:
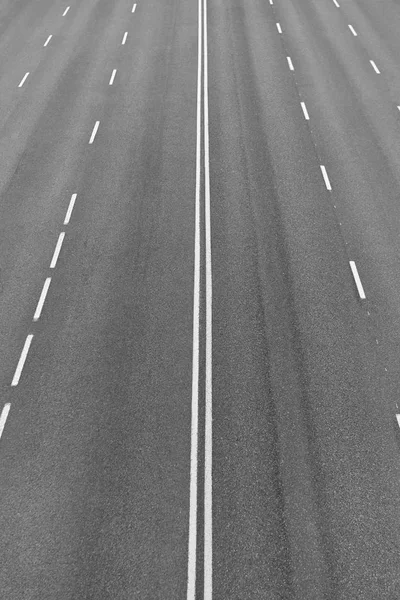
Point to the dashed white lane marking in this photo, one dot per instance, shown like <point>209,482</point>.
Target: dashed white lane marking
<point>326,178</point>
<point>357,279</point>
<point>22,359</point>
<point>112,76</point>
<point>271,1</point>
<point>133,8</point>
<point>65,11</point>
<point>124,38</point>
<point>42,299</point>
<point>23,80</point>
<point>192,545</point>
<point>47,41</point>
<point>208,548</point>
<point>57,250</point>
<point>353,31</point>
<point>3,417</point>
<point>398,419</point>
<point>305,111</point>
<point>398,107</point>
<point>374,66</point>
<point>279,27</point>
<point>70,209</point>
<point>95,128</point>
<point>336,4</point>
<point>290,63</point>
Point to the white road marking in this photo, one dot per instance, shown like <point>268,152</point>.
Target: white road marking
<point>3,417</point>
<point>70,209</point>
<point>22,359</point>
<point>192,546</point>
<point>23,80</point>
<point>208,589</point>
<point>326,179</point>
<point>271,1</point>
<point>133,8</point>
<point>357,279</point>
<point>279,28</point>
<point>42,299</point>
<point>353,31</point>
<point>48,39</point>
<point>398,107</point>
<point>65,11</point>
<point>398,418</point>
<point>290,63</point>
<point>112,76</point>
<point>57,250</point>
<point>124,38</point>
<point>303,106</point>
<point>375,67</point>
<point>336,4</point>
<point>95,128</point>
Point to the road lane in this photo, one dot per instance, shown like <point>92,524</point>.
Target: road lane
<point>95,453</point>
<point>305,458</point>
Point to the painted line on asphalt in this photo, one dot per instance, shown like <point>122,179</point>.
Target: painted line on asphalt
<point>65,11</point>
<point>23,80</point>
<point>57,250</point>
<point>22,359</point>
<point>112,76</point>
<point>305,111</point>
<point>208,589</point>
<point>133,8</point>
<point>290,63</point>
<point>192,544</point>
<point>398,419</point>
<point>42,299</point>
<point>95,128</point>
<point>326,178</point>
<point>271,1</point>
<point>3,417</point>
<point>47,41</point>
<point>357,279</point>
<point>278,26</point>
<point>374,66</point>
<point>124,38</point>
<point>336,4</point>
<point>70,209</point>
<point>353,31</point>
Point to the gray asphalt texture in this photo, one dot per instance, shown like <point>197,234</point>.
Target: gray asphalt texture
<point>95,453</point>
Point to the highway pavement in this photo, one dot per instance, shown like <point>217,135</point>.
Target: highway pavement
<point>200,300</point>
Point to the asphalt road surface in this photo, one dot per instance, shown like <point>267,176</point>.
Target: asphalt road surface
<point>200,300</point>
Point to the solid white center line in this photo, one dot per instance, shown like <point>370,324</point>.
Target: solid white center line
<point>70,208</point>
<point>3,417</point>
<point>192,547</point>
<point>112,76</point>
<point>23,80</point>
<point>279,28</point>
<point>375,67</point>
<point>133,8</point>
<point>353,31</point>
<point>22,359</point>
<point>326,179</point>
<point>57,250</point>
<point>336,3</point>
<point>303,106</point>
<point>208,589</point>
<point>290,63</point>
<point>48,39</point>
<point>65,11</point>
<point>124,38</point>
<point>42,299</point>
<point>95,128</point>
<point>357,279</point>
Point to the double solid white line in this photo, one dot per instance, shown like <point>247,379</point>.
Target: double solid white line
<point>192,545</point>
